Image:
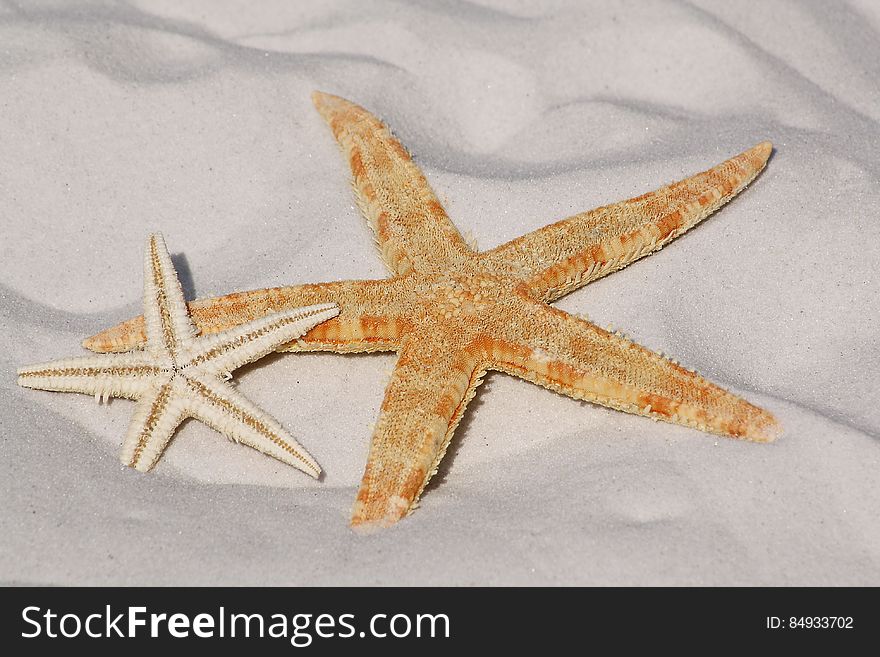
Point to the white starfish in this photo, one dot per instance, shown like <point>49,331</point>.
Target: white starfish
<point>178,375</point>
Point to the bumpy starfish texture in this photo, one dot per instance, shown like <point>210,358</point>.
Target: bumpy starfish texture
<point>179,375</point>
<point>452,313</point>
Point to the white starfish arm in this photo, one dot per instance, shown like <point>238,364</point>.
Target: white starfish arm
<point>224,352</point>
<point>431,385</point>
<point>157,415</point>
<point>168,325</point>
<point>564,256</point>
<point>579,359</point>
<point>223,408</point>
<point>107,375</point>
<point>409,223</point>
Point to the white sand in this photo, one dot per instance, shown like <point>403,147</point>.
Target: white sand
<point>116,121</point>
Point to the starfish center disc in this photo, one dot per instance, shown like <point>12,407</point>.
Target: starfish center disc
<point>469,295</point>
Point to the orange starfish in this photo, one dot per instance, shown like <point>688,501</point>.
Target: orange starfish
<point>452,313</point>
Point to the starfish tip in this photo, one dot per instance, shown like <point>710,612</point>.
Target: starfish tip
<point>117,338</point>
<point>763,429</point>
<point>367,527</point>
<point>94,342</point>
<point>141,465</point>
<point>770,432</point>
<point>366,518</point>
<point>322,99</point>
<point>762,152</point>
<point>28,377</point>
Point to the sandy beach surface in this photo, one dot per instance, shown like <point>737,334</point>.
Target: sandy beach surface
<point>194,119</point>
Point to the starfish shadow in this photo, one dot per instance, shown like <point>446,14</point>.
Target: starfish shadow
<point>184,274</point>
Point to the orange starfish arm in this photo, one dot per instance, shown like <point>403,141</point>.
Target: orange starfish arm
<point>424,401</point>
<point>564,256</point>
<point>579,359</point>
<point>364,323</point>
<point>409,223</point>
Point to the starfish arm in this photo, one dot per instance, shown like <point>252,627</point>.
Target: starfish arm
<point>169,329</point>
<point>409,223</point>
<point>364,323</point>
<point>106,375</point>
<point>564,256</point>
<point>226,410</point>
<point>157,415</point>
<point>578,359</point>
<point>224,352</point>
<point>429,389</point>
